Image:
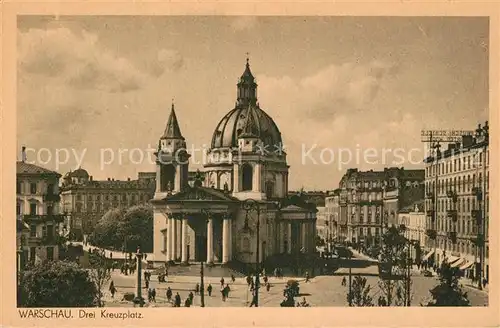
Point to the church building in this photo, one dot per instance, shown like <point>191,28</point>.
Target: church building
<point>239,209</point>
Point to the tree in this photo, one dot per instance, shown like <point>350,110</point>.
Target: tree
<point>99,273</point>
<point>125,230</point>
<point>105,234</point>
<point>360,293</point>
<point>393,264</point>
<point>448,292</point>
<point>137,228</point>
<point>56,284</point>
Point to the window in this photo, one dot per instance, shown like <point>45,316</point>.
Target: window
<point>32,230</point>
<point>18,187</point>
<point>50,253</point>
<point>106,197</point>
<point>49,210</point>
<point>115,198</point>
<point>124,197</point>
<point>18,209</point>
<point>33,188</point>
<point>50,231</point>
<point>33,207</point>
<point>247,175</point>
<point>32,254</point>
<point>78,197</point>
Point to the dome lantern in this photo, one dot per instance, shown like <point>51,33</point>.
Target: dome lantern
<point>247,88</point>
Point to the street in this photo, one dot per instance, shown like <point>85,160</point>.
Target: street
<point>323,290</point>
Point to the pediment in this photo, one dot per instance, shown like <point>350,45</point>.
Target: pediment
<point>200,194</point>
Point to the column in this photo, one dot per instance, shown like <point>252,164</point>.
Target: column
<point>289,227</point>
<point>225,240</point>
<point>174,239</point>
<point>210,240</point>
<point>184,254</point>
<point>303,226</point>
<point>281,233</point>
<point>236,178</point>
<point>158,178</point>
<point>256,178</point>
<point>169,239</point>
<point>230,240</point>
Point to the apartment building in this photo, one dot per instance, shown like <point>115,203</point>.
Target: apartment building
<point>37,210</point>
<point>370,201</point>
<point>457,204</point>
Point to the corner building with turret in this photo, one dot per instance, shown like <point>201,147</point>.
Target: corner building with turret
<point>237,209</point>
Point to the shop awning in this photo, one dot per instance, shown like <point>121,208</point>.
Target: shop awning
<point>457,263</point>
<point>466,265</point>
<point>426,257</point>
<point>452,259</point>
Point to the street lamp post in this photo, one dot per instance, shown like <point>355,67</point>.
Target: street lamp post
<point>249,205</point>
<point>202,287</point>
<point>138,298</point>
<point>350,279</point>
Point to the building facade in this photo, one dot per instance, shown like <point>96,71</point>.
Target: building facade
<point>413,219</point>
<point>37,210</point>
<point>370,201</point>
<point>457,204</point>
<point>85,200</point>
<point>332,213</point>
<point>322,223</point>
<point>240,210</point>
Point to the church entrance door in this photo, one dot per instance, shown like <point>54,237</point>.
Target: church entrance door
<point>201,248</point>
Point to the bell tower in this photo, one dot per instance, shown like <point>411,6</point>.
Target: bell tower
<point>171,160</point>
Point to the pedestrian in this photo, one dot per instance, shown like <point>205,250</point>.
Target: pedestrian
<point>249,280</point>
<point>187,303</point>
<point>222,281</point>
<point>227,289</point>
<point>268,286</point>
<point>149,295</point>
<point>153,295</point>
<point>307,276</point>
<point>233,279</point>
<point>169,294</point>
<point>254,299</point>
<point>343,281</point>
<point>275,272</point>
<point>197,289</point>
<point>191,297</point>
<point>265,279</point>
<point>177,300</point>
<point>209,289</point>
<point>112,289</point>
<point>223,293</point>
<point>147,283</point>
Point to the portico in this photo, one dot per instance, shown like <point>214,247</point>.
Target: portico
<point>197,227</point>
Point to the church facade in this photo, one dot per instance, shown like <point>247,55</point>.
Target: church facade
<point>238,210</point>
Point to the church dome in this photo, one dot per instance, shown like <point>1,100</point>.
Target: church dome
<point>247,117</point>
<point>232,125</point>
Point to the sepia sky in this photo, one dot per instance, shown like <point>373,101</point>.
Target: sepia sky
<point>93,83</point>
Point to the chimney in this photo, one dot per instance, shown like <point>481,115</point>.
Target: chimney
<point>467,141</point>
<point>23,154</point>
<point>109,179</point>
<point>128,179</point>
<point>91,178</point>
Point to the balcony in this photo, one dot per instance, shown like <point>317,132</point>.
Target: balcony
<point>43,217</point>
<point>476,191</point>
<point>51,197</point>
<point>453,195</point>
<point>452,235</point>
<point>477,240</point>
<point>452,214</point>
<point>429,195</point>
<point>431,233</point>
<point>370,202</point>
<point>478,215</point>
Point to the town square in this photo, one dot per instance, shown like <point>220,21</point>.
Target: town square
<point>252,162</point>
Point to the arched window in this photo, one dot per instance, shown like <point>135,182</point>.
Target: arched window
<point>459,185</point>
<point>269,189</point>
<point>167,177</point>
<point>247,176</point>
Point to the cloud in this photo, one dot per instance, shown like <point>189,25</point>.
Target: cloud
<point>76,60</point>
<point>242,23</point>
<point>165,59</point>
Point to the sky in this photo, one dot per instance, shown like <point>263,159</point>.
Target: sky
<point>100,88</point>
